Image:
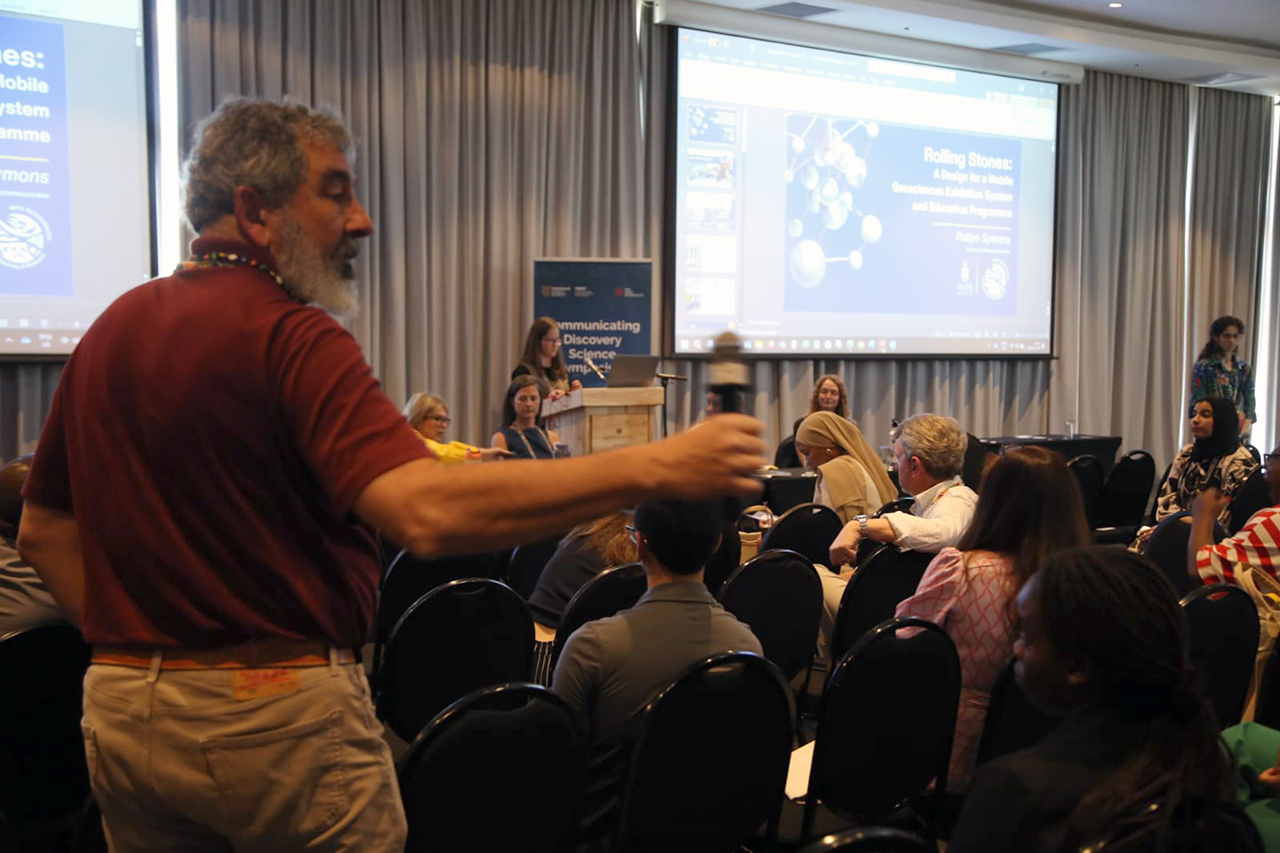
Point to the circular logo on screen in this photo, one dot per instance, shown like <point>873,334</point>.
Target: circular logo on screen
<point>995,280</point>
<point>23,235</point>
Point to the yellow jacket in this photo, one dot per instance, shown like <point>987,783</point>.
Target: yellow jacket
<point>453,452</point>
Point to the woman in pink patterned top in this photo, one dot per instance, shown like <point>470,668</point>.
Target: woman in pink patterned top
<point>1028,507</point>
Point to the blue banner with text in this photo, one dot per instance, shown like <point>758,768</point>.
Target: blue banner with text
<point>603,308</point>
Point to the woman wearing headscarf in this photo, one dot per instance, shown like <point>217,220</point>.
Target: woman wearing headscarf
<point>1215,458</point>
<point>851,478</point>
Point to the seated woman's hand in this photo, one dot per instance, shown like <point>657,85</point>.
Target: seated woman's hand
<point>490,454</point>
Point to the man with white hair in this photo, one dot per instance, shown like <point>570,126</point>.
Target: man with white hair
<point>929,451</point>
<point>204,498</point>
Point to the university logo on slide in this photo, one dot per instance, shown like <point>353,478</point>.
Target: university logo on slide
<point>23,235</point>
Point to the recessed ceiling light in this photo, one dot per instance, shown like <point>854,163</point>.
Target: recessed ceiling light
<point>1116,5</point>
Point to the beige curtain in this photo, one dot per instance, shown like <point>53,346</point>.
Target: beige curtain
<point>489,132</point>
<point>1228,204</point>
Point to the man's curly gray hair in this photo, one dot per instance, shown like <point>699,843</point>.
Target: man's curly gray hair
<point>257,144</point>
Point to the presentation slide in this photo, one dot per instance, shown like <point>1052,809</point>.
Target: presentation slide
<point>842,205</point>
<point>75,222</point>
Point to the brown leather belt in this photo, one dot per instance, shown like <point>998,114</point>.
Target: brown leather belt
<point>271,653</point>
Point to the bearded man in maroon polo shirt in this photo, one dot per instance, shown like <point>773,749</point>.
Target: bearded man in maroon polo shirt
<point>203,500</point>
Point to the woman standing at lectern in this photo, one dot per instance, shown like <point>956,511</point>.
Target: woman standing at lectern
<point>543,359</point>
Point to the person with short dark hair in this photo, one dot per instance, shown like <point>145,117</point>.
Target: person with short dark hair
<point>611,667</point>
<point>25,602</point>
<point>1103,641</point>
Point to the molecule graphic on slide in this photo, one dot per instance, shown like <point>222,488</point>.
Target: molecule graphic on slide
<point>823,159</point>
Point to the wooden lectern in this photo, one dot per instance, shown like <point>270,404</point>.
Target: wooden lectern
<point>590,420</point>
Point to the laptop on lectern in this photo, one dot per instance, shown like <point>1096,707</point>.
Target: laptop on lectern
<point>632,371</point>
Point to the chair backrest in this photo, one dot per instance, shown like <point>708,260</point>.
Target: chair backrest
<point>976,458</point>
<point>896,505</point>
<point>1267,709</point>
<point>1127,490</point>
<point>527,563</point>
<point>604,595</point>
<point>886,722</point>
<point>1197,825</point>
<point>871,839</point>
<point>708,758</point>
<point>786,455</point>
<point>504,765</point>
<point>1254,494</point>
<point>1223,621</point>
<point>1167,548</point>
<point>1151,514</point>
<point>408,578</point>
<point>808,529</point>
<point>725,560</point>
<point>461,636</point>
<point>1088,471</point>
<point>779,596</point>
<point>42,763</point>
<point>881,582</point>
<point>1012,722</point>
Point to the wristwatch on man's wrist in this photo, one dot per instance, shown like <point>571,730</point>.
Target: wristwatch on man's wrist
<point>862,523</point>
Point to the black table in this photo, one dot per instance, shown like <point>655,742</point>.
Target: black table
<point>787,487</point>
<point>1101,447</point>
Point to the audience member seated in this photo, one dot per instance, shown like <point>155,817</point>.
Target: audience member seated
<point>428,415</point>
<point>611,667</point>
<point>543,359</point>
<point>523,434</point>
<point>1103,641</point>
<point>929,451</point>
<point>1258,781</point>
<point>1252,550</point>
<point>1215,458</point>
<point>851,477</point>
<point>829,395</point>
<point>24,600</point>
<point>583,553</point>
<point>1029,507</point>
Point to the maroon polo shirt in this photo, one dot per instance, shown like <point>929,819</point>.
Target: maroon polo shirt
<point>210,435</point>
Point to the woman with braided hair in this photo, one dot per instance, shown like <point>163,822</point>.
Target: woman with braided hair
<point>1103,641</point>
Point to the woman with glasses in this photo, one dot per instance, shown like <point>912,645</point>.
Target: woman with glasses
<point>1220,372</point>
<point>428,415</point>
<point>543,359</point>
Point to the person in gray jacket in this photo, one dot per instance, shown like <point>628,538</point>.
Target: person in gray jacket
<point>610,668</point>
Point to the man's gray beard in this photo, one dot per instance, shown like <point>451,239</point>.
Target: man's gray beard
<point>309,277</point>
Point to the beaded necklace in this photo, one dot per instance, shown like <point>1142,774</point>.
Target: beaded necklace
<point>210,260</point>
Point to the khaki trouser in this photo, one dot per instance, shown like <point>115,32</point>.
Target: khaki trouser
<point>240,760</point>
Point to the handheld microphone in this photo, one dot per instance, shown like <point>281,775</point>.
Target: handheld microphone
<point>729,378</point>
<point>728,373</point>
<point>586,359</point>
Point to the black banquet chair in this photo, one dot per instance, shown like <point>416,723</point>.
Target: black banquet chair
<point>1254,494</point>
<point>1223,622</point>
<point>725,560</point>
<point>527,563</point>
<point>1127,491</point>
<point>778,595</point>
<point>881,582</point>
<point>896,505</point>
<point>707,759</point>
<point>604,595</point>
<point>1267,708</point>
<point>1088,471</point>
<point>1012,722</point>
<point>407,579</point>
<point>885,725</point>
<point>808,529</point>
<point>1167,548</point>
<point>871,839</point>
<point>500,769</point>
<point>461,636</point>
<point>43,777</point>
